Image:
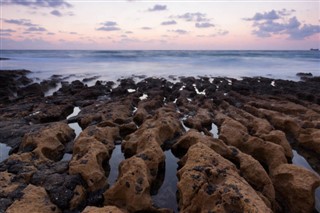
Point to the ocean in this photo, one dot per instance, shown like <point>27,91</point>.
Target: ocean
<point>112,65</point>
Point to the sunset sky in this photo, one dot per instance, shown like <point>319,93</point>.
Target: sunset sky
<point>203,25</point>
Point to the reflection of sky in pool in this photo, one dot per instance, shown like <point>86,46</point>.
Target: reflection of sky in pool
<point>4,151</point>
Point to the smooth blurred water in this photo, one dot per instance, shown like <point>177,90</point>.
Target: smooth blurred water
<point>112,65</point>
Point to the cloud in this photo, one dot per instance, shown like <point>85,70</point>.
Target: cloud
<point>128,32</point>
<point>38,3</point>
<point>73,33</point>
<point>275,23</point>
<point>36,29</point>
<point>7,31</point>
<point>198,17</point>
<point>56,13</point>
<point>50,33</point>
<point>109,23</point>
<point>4,34</point>
<point>272,15</point>
<point>220,33</point>
<point>59,14</point>
<point>109,26</point>
<point>146,28</point>
<point>21,22</point>
<point>157,7</point>
<point>204,25</point>
<point>179,31</point>
<point>173,22</point>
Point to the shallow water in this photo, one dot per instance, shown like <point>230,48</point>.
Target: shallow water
<point>4,151</point>
<point>166,196</point>
<point>301,161</point>
<point>116,157</point>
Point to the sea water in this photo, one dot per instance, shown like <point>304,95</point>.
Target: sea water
<point>112,65</point>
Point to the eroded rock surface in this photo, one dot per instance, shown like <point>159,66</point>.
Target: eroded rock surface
<point>245,167</point>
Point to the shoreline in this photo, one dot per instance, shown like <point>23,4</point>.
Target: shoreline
<point>260,123</point>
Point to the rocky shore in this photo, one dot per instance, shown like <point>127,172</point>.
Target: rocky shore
<point>244,167</point>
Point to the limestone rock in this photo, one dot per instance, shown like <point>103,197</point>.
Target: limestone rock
<point>105,209</point>
<point>310,139</point>
<point>35,199</point>
<point>132,189</point>
<point>48,143</point>
<point>208,182</point>
<point>295,187</point>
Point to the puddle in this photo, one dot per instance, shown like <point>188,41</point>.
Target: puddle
<point>116,157</point>
<point>131,90</point>
<point>66,157</point>
<point>301,161</point>
<point>4,151</point>
<point>77,129</point>
<point>75,112</point>
<point>273,83</point>
<point>214,130</point>
<point>166,196</point>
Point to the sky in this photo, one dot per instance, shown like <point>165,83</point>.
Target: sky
<point>160,25</point>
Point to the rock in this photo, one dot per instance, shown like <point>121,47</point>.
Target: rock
<point>209,183</point>
<point>310,139</point>
<point>48,143</point>
<point>202,119</point>
<point>132,189</point>
<point>35,199</point>
<point>295,188</point>
<point>88,157</point>
<point>279,137</point>
<point>109,209</point>
<point>31,90</point>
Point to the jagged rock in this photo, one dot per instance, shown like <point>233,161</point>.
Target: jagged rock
<point>48,143</point>
<point>295,187</point>
<point>34,199</point>
<point>208,183</point>
<point>88,157</point>
<point>132,189</point>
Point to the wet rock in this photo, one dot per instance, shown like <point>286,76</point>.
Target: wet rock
<point>35,199</point>
<point>295,187</point>
<point>208,187</point>
<point>31,90</point>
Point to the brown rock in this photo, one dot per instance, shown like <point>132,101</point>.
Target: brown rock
<point>295,187</point>
<point>279,137</point>
<point>108,209</point>
<point>88,157</point>
<point>79,196</point>
<point>132,189</point>
<point>310,139</point>
<point>208,182</point>
<point>48,143</point>
<point>35,199</point>
<point>202,119</point>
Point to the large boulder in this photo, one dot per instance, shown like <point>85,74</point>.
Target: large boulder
<point>295,188</point>
<point>210,183</point>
